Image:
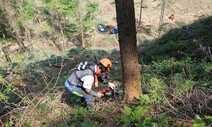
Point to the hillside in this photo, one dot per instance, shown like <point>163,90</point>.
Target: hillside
<point>186,12</point>
<point>175,66</point>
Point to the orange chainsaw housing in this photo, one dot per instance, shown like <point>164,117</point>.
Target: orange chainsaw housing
<point>104,90</point>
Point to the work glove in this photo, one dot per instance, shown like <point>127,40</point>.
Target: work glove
<point>111,85</point>
<point>99,94</point>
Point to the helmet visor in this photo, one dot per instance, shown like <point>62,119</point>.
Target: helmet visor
<point>104,69</point>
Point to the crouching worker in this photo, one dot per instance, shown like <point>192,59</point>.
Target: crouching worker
<point>80,82</point>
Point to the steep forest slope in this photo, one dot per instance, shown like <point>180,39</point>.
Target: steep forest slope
<point>40,47</point>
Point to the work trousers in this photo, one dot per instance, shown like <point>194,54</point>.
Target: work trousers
<point>79,91</point>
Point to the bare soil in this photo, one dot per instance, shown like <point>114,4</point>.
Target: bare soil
<point>185,12</point>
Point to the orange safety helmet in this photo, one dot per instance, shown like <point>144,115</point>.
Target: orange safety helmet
<point>106,63</point>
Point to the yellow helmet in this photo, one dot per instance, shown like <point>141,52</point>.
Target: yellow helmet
<point>106,63</point>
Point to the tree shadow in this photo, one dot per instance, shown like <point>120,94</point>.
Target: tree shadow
<point>71,99</point>
<point>180,43</point>
<point>48,76</point>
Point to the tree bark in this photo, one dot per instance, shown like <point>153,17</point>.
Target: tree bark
<point>80,17</point>
<point>128,49</point>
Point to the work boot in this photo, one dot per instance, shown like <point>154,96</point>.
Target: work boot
<point>83,102</point>
<point>91,107</point>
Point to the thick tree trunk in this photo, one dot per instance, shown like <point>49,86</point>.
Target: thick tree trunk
<point>128,48</point>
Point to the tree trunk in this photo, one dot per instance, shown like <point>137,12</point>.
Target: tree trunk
<point>139,23</point>
<point>162,16</point>
<point>128,49</point>
<point>80,17</point>
<point>12,18</point>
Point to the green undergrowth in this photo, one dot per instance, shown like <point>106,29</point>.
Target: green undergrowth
<point>172,66</point>
<point>193,41</point>
<point>175,65</point>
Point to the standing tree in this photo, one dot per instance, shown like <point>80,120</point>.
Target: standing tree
<point>128,49</point>
<point>13,16</point>
<point>80,20</point>
<point>162,16</point>
<point>140,14</point>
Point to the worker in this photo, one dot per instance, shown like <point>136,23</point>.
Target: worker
<point>80,82</point>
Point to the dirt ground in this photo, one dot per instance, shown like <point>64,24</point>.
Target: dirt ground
<point>185,12</point>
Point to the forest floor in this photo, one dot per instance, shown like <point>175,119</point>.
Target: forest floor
<point>185,12</point>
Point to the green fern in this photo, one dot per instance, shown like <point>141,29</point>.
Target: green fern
<point>131,115</point>
<point>157,90</point>
<point>198,122</point>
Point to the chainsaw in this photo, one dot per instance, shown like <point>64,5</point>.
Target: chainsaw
<point>112,93</point>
